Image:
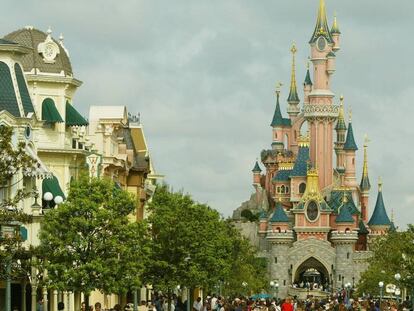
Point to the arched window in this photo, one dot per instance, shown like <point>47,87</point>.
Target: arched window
<point>278,229</point>
<point>278,190</point>
<point>353,161</point>
<point>304,128</point>
<point>347,255</point>
<point>302,188</point>
<point>282,189</point>
<point>287,189</point>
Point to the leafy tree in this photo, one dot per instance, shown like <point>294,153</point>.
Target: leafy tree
<point>248,215</point>
<point>15,164</point>
<point>190,242</point>
<point>392,253</point>
<point>193,246</point>
<point>88,242</point>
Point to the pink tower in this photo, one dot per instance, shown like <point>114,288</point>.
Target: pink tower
<point>320,111</point>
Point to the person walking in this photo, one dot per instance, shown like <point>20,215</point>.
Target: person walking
<point>197,305</point>
<point>287,305</point>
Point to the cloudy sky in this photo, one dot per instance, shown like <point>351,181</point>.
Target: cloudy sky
<point>202,75</point>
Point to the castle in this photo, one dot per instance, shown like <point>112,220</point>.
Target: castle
<point>313,224</point>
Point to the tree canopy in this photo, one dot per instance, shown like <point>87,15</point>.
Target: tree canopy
<point>392,253</point>
<point>88,242</point>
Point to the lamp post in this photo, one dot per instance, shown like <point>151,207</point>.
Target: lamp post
<point>348,291</point>
<point>397,277</point>
<point>380,285</point>
<point>48,197</point>
<point>244,284</point>
<point>277,290</point>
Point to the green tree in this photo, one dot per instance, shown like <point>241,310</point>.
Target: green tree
<point>189,242</point>
<point>88,242</point>
<point>392,253</point>
<point>15,164</point>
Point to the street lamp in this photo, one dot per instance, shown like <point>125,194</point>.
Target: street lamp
<point>48,197</point>
<point>58,200</point>
<point>348,291</point>
<point>397,277</point>
<point>381,285</point>
<point>275,287</point>
<point>244,284</point>
<point>277,290</point>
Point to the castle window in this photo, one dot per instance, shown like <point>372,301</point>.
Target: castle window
<point>353,161</point>
<point>302,188</point>
<point>275,259</point>
<point>278,189</point>
<point>347,255</point>
<point>339,278</point>
<point>282,189</point>
<point>287,189</point>
<point>284,282</point>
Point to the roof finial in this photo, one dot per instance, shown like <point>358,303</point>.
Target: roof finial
<point>350,114</point>
<point>61,38</point>
<point>278,87</point>
<point>365,167</point>
<point>380,184</point>
<point>335,28</point>
<point>293,94</point>
<point>49,31</point>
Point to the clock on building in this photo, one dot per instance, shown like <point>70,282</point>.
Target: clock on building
<point>312,210</point>
<point>49,50</point>
<point>321,43</point>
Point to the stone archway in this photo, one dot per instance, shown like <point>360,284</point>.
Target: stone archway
<point>311,271</point>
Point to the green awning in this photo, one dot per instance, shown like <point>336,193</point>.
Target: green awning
<point>52,185</point>
<point>73,117</point>
<point>49,112</point>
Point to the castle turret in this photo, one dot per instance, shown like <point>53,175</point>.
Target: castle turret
<point>340,129</point>
<point>379,222</point>
<point>279,124</point>
<point>256,173</point>
<point>335,35</point>
<point>293,99</point>
<point>344,221</point>
<point>307,86</point>
<point>365,185</point>
<point>350,147</point>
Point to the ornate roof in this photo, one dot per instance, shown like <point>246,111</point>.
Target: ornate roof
<point>278,120</point>
<point>301,164</point>
<point>308,80</point>
<point>379,216</point>
<point>293,92</point>
<point>335,27</point>
<point>279,215</point>
<point>362,228</point>
<point>321,27</point>
<point>341,198</point>
<point>256,168</point>
<point>8,99</point>
<point>350,141</point>
<point>365,184</point>
<point>31,37</point>
<point>282,175</point>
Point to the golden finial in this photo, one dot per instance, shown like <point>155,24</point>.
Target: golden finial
<point>350,115</point>
<point>380,184</point>
<point>293,49</point>
<point>308,63</point>
<point>344,198</point>
<point>365,167</point>
<point>293,92</point>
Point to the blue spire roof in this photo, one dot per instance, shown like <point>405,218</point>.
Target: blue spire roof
<point>278,120</point>
<point>279,215</point>
<point>362,228</point>
<point>350,141</point>
<point>308,80</point>
<point>282,175</point>
<point>344,215</point>
<point>301,164</point>
<point>379,216</point>
<point>262,215</point>
<point>256,168</point>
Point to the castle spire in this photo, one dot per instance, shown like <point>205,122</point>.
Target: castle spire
<point>278,119</point>
<point>350,141</point>
<point>379,216</point>
<point>335,28</point>
<point>293,94</point>
<point>340,125</point>
<point>365,184</point>
<point>321,28</point>
<point>308,80</point>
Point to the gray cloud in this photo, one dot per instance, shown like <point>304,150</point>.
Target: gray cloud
<point>202,74</point>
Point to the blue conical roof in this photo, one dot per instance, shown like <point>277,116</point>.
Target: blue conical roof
<point>278,120</point>
<point>256,168</point>
<point>262,215</point>
<point>350,141</point>
<point>362,228</point>
<point>308,80</point>
<point>379,216</point>
<point>279,215</point>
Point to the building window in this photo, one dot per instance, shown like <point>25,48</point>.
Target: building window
<point>278,189</point>
<point>339,278</point>
<point>302,188</point>
<point>4,191</point>
<point>287,189</point>
<point>275,259</point>
<point>347,255</point>
<point>353,161</point>
<point>74,144</point>
<point>284,282</point>
<point>282,189</point>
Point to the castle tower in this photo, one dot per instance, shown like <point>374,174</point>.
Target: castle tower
<point>281,126</point>
<point>340,139</point>
<point>307,86</point>
<point>365,185</point>
<point>320,112</point>
<point>350,147</point>
<point>335,34</point>
<point>293,99</point>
